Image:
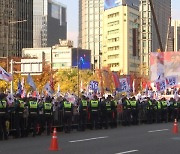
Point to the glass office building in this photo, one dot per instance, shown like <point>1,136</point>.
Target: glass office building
<point>175,31</point>
<point>90,28</point>
<point>14,33</point>
<point>49,23</point>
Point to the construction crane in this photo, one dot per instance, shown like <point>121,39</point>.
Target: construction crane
<point>156,25</point>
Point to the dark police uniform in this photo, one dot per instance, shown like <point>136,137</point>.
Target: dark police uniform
<point>67,115</point>
<point>48,115</point>
<point>33,115</point>
<point>3,117</point>
<point>94,113</point>
<point>83,109</point>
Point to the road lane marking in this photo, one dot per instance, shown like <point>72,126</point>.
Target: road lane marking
<point>128,151</point>
<point>176,138</point>
<point>160,130</point>
<point>88,139</point>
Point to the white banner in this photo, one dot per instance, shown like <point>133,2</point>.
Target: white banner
<point>171,81</point>
<point>124,85</point>
<point>161,84</point>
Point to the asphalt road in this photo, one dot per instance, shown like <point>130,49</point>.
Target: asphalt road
<point>142,139</point>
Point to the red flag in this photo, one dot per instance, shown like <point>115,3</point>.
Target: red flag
<point>116,80</point>
<point>52,83</point>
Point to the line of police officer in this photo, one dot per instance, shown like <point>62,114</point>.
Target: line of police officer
<point>32,115</point>
<point>23,116</point>
<point>149,110</point>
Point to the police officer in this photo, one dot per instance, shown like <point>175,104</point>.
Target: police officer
<point>94,112</point>
<point>174,108</point>
<point>107,112</point>
<point>149,111</point>
<point>164,110</point>
<point>83,109</point>
<point>134,110</point>
<point>126,111</point>
<point>102,113</point>
<point>33,115</point>
<point>41,117</point>
<point>158,110</point>
<point>18,111</point>
<point>178,103</point>
<point>67,115</point>
<point>114,112</point>
<point>3,116</point>
<point>47,108</point>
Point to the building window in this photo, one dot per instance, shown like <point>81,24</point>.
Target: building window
<point>113,40</point>
<point>110,24</point>
<point>113,15</point>
<point>113,56</point>
<point>113,48</point>
<point>113,65</point>
<point>113,32</point>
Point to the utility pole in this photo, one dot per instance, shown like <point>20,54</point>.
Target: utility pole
<point>12,72</point>
<point>77,50</point>
<point>156,25</point>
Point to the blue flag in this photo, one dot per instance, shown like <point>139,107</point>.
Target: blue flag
<point>31,82</point>
<point>20,88</point>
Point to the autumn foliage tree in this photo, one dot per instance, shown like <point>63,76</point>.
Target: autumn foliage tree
<point>68,79</point>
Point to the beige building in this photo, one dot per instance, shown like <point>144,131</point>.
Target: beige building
<point>90,28</point>
<point>120,39</point>
<point>176,32</point>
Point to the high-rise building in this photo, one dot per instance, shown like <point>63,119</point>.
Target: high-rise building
<point>148,35</point>
<point>49,23</point>
<point>175,33</point>
<point>90,28</point>
<point>121,36</point>
<point>15,26</point>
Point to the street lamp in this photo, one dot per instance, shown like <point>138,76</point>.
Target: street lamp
<point>7,39</point>
<point>78,72</point>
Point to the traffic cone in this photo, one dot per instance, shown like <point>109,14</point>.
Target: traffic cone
<point>54,142</point>
<point>175,127</point>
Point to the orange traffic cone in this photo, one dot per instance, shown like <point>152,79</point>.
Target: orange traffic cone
<point>54,142</point>
<point>175,127</point>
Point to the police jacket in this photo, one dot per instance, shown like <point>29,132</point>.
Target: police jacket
<point>3,107</point>
<point>33,107</point>
<point>18,107</point>
<point>133,104</point>
<point>83,106</point>
<point>108,105</point>
<point>114,105</point>
<point>67,107</point>
<point>47,108</point>
<point>94,105</point>
<point>126,104</point>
